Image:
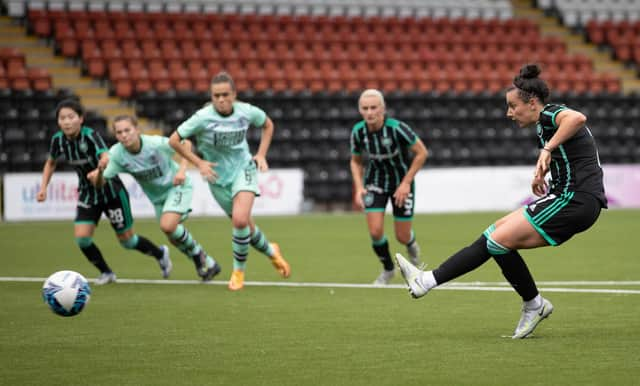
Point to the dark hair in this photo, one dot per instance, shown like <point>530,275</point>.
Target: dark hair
<point>71,103</point>
<point>224,77</point>
<point>529,85</point>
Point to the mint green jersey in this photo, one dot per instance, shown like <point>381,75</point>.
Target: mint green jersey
<point>153,166</point>
<point>223,139</point>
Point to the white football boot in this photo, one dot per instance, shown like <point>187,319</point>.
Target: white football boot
<point>413,276</point>
<point>531,318</point>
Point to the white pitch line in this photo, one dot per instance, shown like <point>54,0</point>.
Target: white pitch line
<point>578,283</point>
<point>470,286</point>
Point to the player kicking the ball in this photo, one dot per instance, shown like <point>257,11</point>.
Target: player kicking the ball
<point>571,204</point>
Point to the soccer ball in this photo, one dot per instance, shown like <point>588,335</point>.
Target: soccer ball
<point>66,293</point>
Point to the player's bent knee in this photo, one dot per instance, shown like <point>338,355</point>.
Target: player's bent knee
<point>84,242</point>
<point>168,228</point>
<point>496,248</point>
<point>130,243</point>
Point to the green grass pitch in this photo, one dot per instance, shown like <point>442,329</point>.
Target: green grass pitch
<point>191,333</point>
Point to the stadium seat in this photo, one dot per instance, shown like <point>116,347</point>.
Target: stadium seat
<point>39,78</point>
<point>443,76</point>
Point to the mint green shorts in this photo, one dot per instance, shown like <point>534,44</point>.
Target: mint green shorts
<point>245,181</point>
<point>178,200</point>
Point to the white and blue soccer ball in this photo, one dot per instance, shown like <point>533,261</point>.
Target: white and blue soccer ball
<point>66,293</point>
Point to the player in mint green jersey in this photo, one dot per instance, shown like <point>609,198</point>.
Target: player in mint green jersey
<point>85,150</point>
<point>148,158</point>
<point>220,129</point>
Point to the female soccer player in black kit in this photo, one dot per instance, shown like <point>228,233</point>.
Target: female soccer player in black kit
<point>569,205</point>
<point>395,155</point>
<point>85,150</point>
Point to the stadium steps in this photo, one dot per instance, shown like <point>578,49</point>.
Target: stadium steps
<point>602,61</point>
<point>66,74</point>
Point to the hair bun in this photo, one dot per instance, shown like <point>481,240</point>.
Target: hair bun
<point>530,71</point>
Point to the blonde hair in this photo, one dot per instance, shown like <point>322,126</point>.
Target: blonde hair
<point>372,92</point>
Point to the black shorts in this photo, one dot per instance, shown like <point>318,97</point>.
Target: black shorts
<point>376,201</point>
<point>558,217</point>
<point>117,210</point>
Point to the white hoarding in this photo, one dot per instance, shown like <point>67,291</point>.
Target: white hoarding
<point>506,188</point>
<point>281,194</point>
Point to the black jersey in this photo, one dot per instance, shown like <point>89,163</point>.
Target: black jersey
<point>575,165</point>
<point>83,154</point>
<point>388,153</point>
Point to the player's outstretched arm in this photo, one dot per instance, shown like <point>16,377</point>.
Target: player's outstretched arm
<point>47,172</point>
<point>357,177</point>
<point>265,143</point>
<point>181,174</point>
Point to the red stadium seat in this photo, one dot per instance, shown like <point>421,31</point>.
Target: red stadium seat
<point>612,83</point>
<point>130,49</point>
<point>124,88</point>
<point>190,51</point>
<point>142,86</point>
<point>39,78</point>
<point>408,54</point>
<point>207,51</point>
<point>12,56</point>
<point>96,67</point>
<point>150,49</point>
<point>137,71</point>
<point>41,26</point>
<point>69,47</point>
<point>280,85</point>
<point>242,84</point>
<point>160,80</point>
<point>18,78</point>
<point>179,75</point>
<point>169,49</point>
<point>214,67</point>
<point>200,79</point>
<point>63,30</point>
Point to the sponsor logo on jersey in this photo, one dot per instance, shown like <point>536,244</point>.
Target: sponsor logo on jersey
<point>382,157</point>
<point>83,146</point>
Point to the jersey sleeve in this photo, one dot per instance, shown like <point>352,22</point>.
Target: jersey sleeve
<point>98,143</point>
<point>113,167</point>
<point>54,147</point>
<point>355,142</point>
<point>191,126</point>
<point>406,135</point>
<point>554,113</point>
<point>257,116</point>
<point>548,122</point>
